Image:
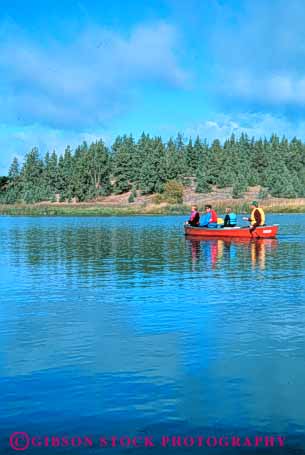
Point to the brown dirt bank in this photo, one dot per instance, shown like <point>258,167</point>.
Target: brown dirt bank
<point>118,204</point>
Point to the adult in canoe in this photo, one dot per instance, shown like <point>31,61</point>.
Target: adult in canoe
<point>257,217</point>
<point>210,218</point>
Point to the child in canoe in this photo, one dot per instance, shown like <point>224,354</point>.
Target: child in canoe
<point>194,219</point>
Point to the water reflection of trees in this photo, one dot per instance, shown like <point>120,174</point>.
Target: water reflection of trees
<point>130,251</point>
<point>91,250</point>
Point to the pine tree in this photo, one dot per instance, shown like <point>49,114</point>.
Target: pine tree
<point>50,176</point>
<point>32,177</point>
<point>194,155</point>
<point>181,156</point>
<point>226,177</point>
<point>65,175</point>
<point>242,162</point>
<point>11,186</point>
<point>259,158</point>
<point>153,172</point>
<point>99,170</point>
<point>214,161</point>
<point>295,156</point>
<point>202,178</point>
<point>123,164</point>
<point>280,182</point>
<point>172,160</point>
<point>14,170</point>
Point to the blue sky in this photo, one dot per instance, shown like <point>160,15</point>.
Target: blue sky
<point>80,70</point>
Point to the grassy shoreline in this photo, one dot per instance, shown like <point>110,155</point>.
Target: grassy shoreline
<point>91,209</point>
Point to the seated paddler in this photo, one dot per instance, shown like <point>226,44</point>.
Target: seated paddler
<point>194,217</point>
<point>257,217</point>
<point>230,219</point>
<point>209,220</point>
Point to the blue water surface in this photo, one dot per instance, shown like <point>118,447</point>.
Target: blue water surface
<point>122,326</point>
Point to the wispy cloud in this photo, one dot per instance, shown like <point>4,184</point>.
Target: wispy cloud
<point>258,125</point>
<point>87,81</point>
<point>17,141</point>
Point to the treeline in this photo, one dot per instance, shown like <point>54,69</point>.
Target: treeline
<point>146,165</point>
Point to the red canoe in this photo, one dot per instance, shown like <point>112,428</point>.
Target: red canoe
<point>261,232</point>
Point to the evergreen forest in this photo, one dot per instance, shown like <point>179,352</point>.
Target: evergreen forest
<point>146,165</point>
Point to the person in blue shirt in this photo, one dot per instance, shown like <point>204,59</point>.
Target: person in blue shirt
<point>230,218</point>
<point>210,218</point>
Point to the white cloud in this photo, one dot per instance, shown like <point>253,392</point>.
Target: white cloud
<point>18,141</point>
<point>257,125</point>
<point>278,89</point>
<point>87,81</point>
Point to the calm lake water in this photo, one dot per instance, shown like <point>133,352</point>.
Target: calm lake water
<point>121,326</point>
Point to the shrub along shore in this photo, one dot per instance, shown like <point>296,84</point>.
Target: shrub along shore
<point>95,209</point>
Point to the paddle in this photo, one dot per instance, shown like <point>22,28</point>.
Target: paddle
<point>252,232</point>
